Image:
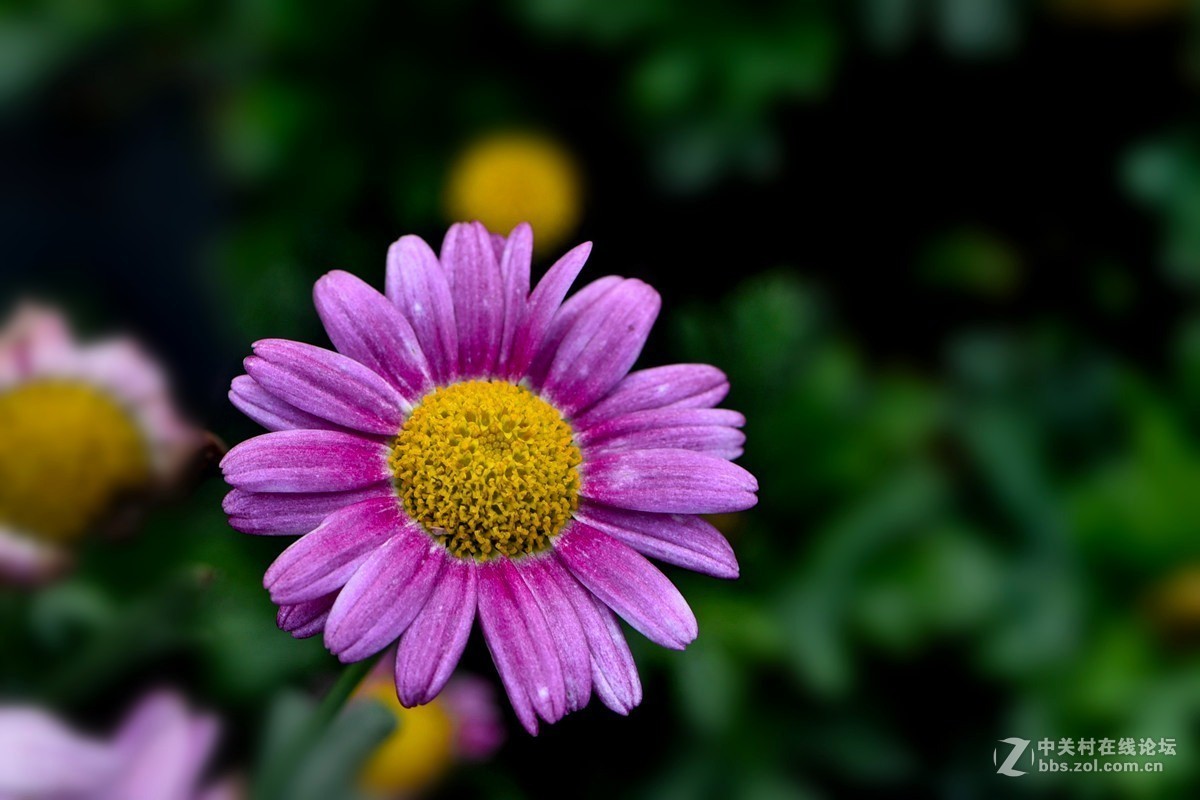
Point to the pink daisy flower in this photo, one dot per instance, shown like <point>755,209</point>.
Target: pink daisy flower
<point>477,449</point>
<point>95,416</point>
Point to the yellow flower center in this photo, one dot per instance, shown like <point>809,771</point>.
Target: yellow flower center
<point>416,753</point>
<point>508,178</point>
<point>67,451</point>
<point>488,469</point>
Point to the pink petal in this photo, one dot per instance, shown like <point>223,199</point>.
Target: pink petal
<point>681,539</point>
<point>715,440</point>
<point>327,384</point>
<point>668,481</point>
<point>164,747</point>
<point>519,640</point>
<point>26,561</point>
<point>364,325</point>
<point>628,584</point>
<point>498,243</point>
<point>480,729</point>
<point>34,341</point>
<point>385,595</point>
<point>601,346</point>
<point>269,411</point>
<point>432,645</point>
<point>565,629</point>
<point>292,514</point>
<point>673,386</point>
<point>418,286</point>
<point>708,430</point>
<point>659,418</point>
<point>322,561</point>
<point>543,305</point>
<point>34,749</point>
<point>515,257</point>
<point>479,299</point>
<point>305,461</point>
<point>614,673</point>
<point>306,619</point>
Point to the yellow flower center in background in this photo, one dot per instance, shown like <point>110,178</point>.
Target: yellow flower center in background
<point>67,451</point>
<point>488,469</point>
<point>506,179</point>
<point>417,752</point>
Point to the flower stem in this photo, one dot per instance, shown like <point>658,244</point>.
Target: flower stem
<point>338,694</point>
<point>278,771</point>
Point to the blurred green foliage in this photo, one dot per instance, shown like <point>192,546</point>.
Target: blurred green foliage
<point>704,80</point>
<point>912,518</point>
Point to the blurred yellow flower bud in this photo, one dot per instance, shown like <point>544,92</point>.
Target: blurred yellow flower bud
<point>507,178</point>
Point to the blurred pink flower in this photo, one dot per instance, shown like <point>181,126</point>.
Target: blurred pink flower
<point>158,753</point>
<point>471,702</point>
<point>82,427</point>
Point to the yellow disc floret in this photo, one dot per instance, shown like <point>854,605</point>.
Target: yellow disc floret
<point>67,451</point>
<point>488,469</point>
